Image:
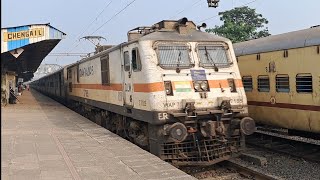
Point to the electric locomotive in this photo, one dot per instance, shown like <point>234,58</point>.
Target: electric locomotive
<point>171,89</point>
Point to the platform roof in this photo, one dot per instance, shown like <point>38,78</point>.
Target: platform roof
<point>23,48</point>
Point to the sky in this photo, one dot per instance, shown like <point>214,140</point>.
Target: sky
<point>112,19</point>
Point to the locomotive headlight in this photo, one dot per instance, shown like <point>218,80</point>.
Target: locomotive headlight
<point>168,88</point>
<point>204,86</point>
<point>197,86</point>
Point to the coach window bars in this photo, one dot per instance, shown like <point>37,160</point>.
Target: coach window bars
<point>136,62</point>
<point>247,83</point>
<point>173,56</point>
<point>105,70</point>
<point>263,84</point>
<point>304,83</point>
<point>258,56</point>
<point>70,86</point>
<point>69,74</point>
<point>282,83</point>
<point>126,61</point>
<point>78,73</point>
<point>285,53</point>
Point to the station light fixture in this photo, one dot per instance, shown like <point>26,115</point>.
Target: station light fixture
<point>213,3</point>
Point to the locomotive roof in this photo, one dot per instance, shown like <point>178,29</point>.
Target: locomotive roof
<point>168,35</point>
<point>164,35</point>
<point>290,40</point>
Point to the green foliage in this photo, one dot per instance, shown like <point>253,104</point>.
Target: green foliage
<point>241,24</point>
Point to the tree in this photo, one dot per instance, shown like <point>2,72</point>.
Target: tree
<point>241,24</point>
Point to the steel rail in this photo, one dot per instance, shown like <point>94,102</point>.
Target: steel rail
<point>284,144</point>
<point>249,171</point>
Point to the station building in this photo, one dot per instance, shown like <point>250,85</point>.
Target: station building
<point>23,48</point>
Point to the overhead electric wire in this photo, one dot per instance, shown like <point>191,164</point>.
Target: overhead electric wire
<point>67,54</point>
<point>185,9</point>
<point>87,27</point>
<point>114,16</point>
<point>218,15</point>
<point>105,23</point>
<point>96,18</point>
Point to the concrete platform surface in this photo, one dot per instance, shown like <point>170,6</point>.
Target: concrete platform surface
<point>41,139</point>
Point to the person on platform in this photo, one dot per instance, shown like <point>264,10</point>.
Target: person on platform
<point>12,97</point>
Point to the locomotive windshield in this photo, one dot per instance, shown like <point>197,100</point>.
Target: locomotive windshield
<point>172,56</point>
<point>212,56</point>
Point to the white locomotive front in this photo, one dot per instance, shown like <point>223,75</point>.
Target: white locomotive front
<point>171,88</point>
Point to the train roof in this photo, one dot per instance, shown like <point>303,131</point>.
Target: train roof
<point>196,35</point>
<point>167,31</point>
<point>57,71</point>
<point>171,30</point>
<point>290,40</point>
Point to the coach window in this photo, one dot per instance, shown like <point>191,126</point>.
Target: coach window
<point>258,56</point>
<point>282,83</point>
<point>78,73</point>
<point>69,74</point>
<point>136,62</point>
<point>126,61</point>
<point>70,86</point>
<point>304,83</point>
<point>247,83</point>
<point>318,49</point>
<point>105,71</point>
<point>285,53</point>
<point>263,84</point>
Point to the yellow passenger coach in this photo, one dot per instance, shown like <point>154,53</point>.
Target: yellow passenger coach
<point>281,77</point>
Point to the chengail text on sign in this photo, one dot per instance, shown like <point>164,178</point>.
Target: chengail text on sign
<point>31,33</point>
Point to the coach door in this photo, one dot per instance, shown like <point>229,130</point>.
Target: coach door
<point>127,80</point>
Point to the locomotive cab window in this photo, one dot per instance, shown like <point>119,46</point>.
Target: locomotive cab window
<point>282,83</point>
<point>136,62</point>
<point>174,56</point>
<point>263,84</point>
<point>247,83</point>
<point>105,71</point>
<point>213,56</point>
<point>304,83</point>
<point>126,61</point>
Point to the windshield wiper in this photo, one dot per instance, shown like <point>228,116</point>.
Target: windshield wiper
<point>210,59</point>
<point>178,62</point>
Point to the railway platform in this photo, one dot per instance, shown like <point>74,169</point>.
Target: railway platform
<point>42,139</point>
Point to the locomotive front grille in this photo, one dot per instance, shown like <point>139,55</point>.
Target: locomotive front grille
<point>202,152</point>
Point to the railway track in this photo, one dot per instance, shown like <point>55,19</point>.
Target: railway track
<point>249,172</point>
<point>230,169</point>
<point>305,148</point>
